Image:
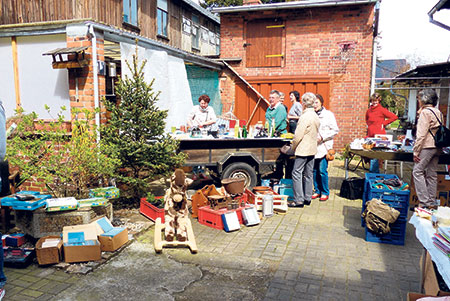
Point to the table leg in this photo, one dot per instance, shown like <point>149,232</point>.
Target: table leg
<point>346,167</point>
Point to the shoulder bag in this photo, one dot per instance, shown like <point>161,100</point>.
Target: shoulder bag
<point>442,137</point>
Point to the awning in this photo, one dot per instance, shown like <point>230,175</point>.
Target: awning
<point>75,57</point>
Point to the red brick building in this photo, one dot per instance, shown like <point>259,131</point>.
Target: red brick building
<point>323,47</point>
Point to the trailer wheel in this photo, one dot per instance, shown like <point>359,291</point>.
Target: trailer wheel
<point>239,169</point>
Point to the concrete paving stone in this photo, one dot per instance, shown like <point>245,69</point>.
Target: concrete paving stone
<point>37,285</point>
<point>19,282</point>
<point>31,293</point>
<point>12,290</point>
<point>29,278</point>
<point>272,292</point>
<point>44,298</point>
<point>313,289</point>
<point>301,287</point>
<point>20,297</point>
<point>42,272</point>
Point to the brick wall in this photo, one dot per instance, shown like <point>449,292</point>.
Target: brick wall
<point>313,43</point>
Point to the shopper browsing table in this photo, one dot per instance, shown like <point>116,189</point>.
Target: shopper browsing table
<point>305,146</point>
<point>426,155</point>
<point>377,118</point>
<point>327,130</point>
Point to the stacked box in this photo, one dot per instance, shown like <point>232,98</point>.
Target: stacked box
<point>18,257</point>
<point>92,202</point>
<point>15,240</point>
<point>105,192</point>
<point>16,204</point>
<point>397,199</point>
<point>61,204</point>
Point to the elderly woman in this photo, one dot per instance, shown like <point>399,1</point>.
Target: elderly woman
<point>426,155</point>
<point>327,130</point>
<point>305,146</point>
<point>202,116</point>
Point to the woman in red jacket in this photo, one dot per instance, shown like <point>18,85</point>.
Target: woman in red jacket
<point>377,118</point>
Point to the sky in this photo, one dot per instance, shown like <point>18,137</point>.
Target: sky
<point>406,32</point>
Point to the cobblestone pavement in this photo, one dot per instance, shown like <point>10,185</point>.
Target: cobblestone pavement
<point>313,253</point>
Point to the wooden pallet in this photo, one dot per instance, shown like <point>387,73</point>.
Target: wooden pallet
<point>159,243</point>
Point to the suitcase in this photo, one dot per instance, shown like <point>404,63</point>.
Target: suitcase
<point>352,188</point>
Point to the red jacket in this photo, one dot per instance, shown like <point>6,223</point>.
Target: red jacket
<point>377,118</point>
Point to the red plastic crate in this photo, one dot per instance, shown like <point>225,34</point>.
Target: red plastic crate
<point>213,218</point>
<point>151,211</point>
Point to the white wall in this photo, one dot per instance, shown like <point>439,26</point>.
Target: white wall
<point>7,94</point>
<point>40,84</point>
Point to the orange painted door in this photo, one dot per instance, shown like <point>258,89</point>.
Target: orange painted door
<point>246,99</point>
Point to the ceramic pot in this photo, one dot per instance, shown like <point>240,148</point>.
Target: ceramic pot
<point>234,185</point>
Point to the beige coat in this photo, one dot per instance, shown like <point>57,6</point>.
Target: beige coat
<point>305,137</point>
<point>426,121</point>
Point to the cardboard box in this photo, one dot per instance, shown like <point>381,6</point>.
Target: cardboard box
<point>442,194</point>
<point>85,249</point>
<point>416,296</point>
<point>111,238</point>
<point>430,283</point>
<point>49,255</point>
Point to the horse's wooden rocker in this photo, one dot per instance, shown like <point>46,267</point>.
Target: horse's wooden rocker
<point>159,243</point>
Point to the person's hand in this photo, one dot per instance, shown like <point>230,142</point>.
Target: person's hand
<point>416,159</point>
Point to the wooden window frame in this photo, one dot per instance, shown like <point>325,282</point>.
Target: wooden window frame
<point>195,42</point>
<point>161,27</point>
<point>130,12</point>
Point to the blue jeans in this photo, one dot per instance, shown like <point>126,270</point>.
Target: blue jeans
<point>374,166</point>
<point>2,275</point>
<point>302,178</point>
<point>321,176</point>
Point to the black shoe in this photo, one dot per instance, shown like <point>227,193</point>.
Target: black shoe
<point>295,205</point>
<point>307,203</point>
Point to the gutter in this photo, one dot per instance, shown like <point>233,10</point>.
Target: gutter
<point>118,35</point>
<point>95,71</point>
<point>290,5</point>
<point>434,10</point>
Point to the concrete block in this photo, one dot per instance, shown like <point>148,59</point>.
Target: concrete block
<point>39,223</point>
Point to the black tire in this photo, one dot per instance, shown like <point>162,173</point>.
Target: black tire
<point>239,169</point>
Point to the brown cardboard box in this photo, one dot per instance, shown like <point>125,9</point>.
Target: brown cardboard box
<point>443,192</point>
<point>430,284</point>
<point>416,296</point>
<point>49,255</point>
<point>82,253</point>
<point>109,243</point>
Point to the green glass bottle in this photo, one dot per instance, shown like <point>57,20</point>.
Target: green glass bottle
<point>244,131</point>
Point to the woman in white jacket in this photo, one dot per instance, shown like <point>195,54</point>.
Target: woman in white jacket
<point>327,130</point>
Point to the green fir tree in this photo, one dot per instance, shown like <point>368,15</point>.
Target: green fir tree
<point>135,134</point>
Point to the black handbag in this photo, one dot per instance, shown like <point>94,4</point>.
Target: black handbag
<point>352,188</point>
<point>442,137</point>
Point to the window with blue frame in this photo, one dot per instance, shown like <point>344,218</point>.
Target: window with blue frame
<point>161,17</point>
<point>130,12</point>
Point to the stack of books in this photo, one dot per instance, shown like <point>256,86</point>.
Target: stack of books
<point>441,240</point>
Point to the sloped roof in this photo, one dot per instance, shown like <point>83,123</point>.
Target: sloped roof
<point>390,68</point>
<point>290,5</point>
<point>432,71</point>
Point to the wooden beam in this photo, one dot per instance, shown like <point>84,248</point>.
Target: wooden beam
<point>246,82</point>
<point>16,71</point>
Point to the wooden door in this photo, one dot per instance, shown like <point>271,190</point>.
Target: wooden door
<point>246,99</point>
<point>264,40</point>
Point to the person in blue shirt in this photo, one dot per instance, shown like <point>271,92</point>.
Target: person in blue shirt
<point>277,112</point>
<point>2,158</point>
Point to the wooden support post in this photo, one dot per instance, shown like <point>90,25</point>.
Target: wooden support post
<point>16,70</point>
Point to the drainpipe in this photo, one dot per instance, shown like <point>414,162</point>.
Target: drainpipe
<point>95,70</point>
<point>374,47</point>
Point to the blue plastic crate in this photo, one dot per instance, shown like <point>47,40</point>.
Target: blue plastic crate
<point>289,191</point>
<point>395,237</point>
<point>399,199</point>
<point>286,182</point>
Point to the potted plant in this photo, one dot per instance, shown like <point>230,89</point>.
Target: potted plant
<point>152,207</point>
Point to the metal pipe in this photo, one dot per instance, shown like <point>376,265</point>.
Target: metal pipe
<point>374,47</point>
<point>289,5</point>
<point>431,16</point>
<point>95,71</point>
<point>410,88</point>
